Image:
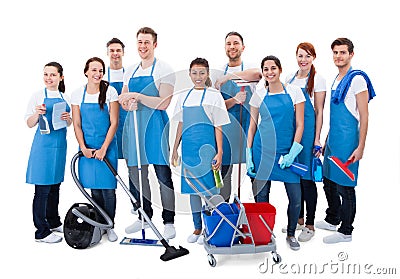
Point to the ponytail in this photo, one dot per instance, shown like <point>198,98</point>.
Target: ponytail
<point>310,82</point>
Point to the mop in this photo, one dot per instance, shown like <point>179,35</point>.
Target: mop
<point>343,166</point>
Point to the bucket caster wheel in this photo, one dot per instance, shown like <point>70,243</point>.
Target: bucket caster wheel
<point>276,257</point>
<point>211,260</point>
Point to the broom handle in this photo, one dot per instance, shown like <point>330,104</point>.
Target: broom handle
<point>240,144</point>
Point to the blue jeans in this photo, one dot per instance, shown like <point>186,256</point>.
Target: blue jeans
<point>341,206</point>
<point>309,196</point>
<point>261,189</point>
<point>45,209</point>
<point>164,176</point>
<point>195,206</point>
<point>106,199</point>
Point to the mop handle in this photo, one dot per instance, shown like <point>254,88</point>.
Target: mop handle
<point>240,143</point>
<point>139,165</point>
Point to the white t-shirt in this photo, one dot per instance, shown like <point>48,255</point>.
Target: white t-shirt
<point>319,83</point>
<point>115,75</point>
<point>213,104</point>
<point>76,96</point>
<point>163,73</point>
<point>295,93</point>
<point>215,74</point>
<point>358,85</point>
<point>38,99</point>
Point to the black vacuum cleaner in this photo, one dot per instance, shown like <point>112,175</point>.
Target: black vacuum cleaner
<point>83,227</point>
<point>170,251</point>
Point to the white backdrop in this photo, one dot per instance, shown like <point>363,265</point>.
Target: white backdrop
<point>36,32</point>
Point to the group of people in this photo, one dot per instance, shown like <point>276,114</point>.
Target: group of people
<point>241,114</point>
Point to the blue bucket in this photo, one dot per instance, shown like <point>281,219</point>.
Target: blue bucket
<point>222,233</point>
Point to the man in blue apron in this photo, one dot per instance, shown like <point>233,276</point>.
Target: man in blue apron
<point>148,88</point>
<point>237,102</point>
<point>350,94</point>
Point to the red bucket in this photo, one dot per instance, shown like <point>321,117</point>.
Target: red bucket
<point>260,232</point>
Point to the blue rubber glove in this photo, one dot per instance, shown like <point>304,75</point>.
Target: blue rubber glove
<point>249,162</point>
<point>288,159</point>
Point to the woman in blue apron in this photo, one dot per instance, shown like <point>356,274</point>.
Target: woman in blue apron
<point>46,165</point>
<point>95,113</point>
<point>203,113</point>
<point>313,86</point>
<point>278,134</point>
<point>347,134</point>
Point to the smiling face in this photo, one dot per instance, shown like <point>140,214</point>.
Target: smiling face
<point>233,47</point>
<point>51,78</point>
<point>341,56</point>
<point>304,60</point>
<point>95,72</point>
<point>115,53</point>
<point>271,71</point>
<point>146,46</point>
<point>199,74</point>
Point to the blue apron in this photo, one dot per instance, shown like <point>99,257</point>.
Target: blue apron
<point>231,132</point>
<point>46,165</point>
<point>274,137</point>
<point>306,156</point>
<point>153,126</point>
<point>94,173</point>
<point>122,114</point>
<point>198,148</point>
<point>342,140</point>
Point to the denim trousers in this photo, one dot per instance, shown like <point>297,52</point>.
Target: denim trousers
<point>195,206</point>
<point>309,196</point>
<point>106,199</point>
<point>45,209</point>
<point>261,190</point>
<point>164,177</point>
<point>341,205</point>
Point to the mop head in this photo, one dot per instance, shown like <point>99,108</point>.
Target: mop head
<point>140,241</point>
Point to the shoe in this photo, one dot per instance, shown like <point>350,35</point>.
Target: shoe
<point>193,238</point>
<point>59,229</point>
<point>136,226</point>
<point>293,244</point>
<point>336,238</point>
<point>306,234</point>
<point>298,228</point>
<point>200,240</point>
<point>324,225</point>
<point>169,231</point>
<point>134,211</point>
<point>111,235</point>
<point>51,238</point>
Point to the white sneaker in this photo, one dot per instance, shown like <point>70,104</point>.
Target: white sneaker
<point>324,225</point>
<point>298,228</point>
<point>169,231</point>
<point>193,238</point>
<point>111,235</point>
<point>336,238</point>
<point>306,234</point>
<point>136,226</point>
<point>134,211</point>
<point>59,229</point>
<point>200,240</point>
<point>51,238</point>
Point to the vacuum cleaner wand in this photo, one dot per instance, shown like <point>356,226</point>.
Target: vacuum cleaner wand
<point>170,251</point>
<point>343,166</point>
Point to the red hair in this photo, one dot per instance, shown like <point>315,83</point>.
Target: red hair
<point>309,48</point>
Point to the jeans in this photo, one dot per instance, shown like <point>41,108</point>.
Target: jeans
<point>226,172</point>
<point>106,199</point>
<point>309,196</point>
<point>164,176</point>
<point>341,205</point>
<point>261,189</point>
<point>45,209</point>
<point>195,206</point>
